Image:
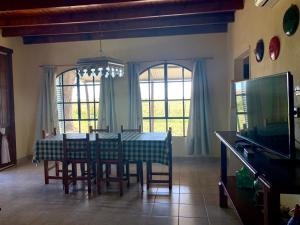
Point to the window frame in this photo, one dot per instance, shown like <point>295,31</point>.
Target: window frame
<point>60,85</point>
<point>166,99</point>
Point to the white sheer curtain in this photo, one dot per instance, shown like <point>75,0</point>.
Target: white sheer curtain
<point>135,103</point>
<point>199,129</point>
<point>47,107</point>
<point>5,156</point>
<point>107,105</point>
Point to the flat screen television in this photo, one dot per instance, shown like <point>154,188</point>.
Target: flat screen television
<point>265,113</point>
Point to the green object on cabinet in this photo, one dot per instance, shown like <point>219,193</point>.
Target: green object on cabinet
<point>244,179</point>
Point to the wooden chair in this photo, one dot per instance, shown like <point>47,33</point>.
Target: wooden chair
<point>138,164</point>
<point>58,171</point>
<point>77,151</point>
<point>105,148</point>
<point>150,173</point>
<point>91,130</point>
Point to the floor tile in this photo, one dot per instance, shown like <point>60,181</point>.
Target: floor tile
<point>26,200</point>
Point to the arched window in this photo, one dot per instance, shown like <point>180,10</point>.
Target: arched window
<point>77,101</point>
<point>166,94</point>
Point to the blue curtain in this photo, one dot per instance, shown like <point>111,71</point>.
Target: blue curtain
<point>199,129</point>
<point>135,103</point>
<point>47,108</point>
<point>107,109</point>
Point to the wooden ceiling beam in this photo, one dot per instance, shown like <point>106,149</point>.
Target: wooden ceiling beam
<point>198,29</point>
<point>164,22</point>
<point>13,5</point>
<point>135,11</point>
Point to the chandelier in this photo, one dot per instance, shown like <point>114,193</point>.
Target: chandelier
<point>100,66</point>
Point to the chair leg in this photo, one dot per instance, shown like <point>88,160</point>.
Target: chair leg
<point>89,180</point>
<point>141,174</point>
<point>170,175</point>
<point>82,168</point>
<point>65,177</point>
<point>46,172</point>
<point>74,173</point>
<point>149,174</point>
<point>57,168</point>
<point>128,174</point>
<point>107,173</point>
<point>120,176</point>
<point>137,172</point>
<point>99,175</point>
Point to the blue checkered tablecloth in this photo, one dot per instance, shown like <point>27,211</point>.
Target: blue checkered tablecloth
<point>136,146</point>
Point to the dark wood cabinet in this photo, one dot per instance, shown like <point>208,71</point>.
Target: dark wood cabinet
<point>276,176</point>
<point>7,114</point>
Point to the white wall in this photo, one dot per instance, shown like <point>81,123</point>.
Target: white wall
<point>27,59</point>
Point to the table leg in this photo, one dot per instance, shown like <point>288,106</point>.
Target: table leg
<point>222,196</point>
<point>46,171</point>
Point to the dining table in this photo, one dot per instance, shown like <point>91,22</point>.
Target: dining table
<point>150,147</point>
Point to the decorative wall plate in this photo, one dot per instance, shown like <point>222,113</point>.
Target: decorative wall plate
<point>274,47</point>
<point>259,50</point>
<point>291,20</point>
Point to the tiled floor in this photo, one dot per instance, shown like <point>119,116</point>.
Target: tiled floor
<point>25,200</point>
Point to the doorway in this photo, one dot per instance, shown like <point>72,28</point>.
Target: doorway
<point>7,115</point>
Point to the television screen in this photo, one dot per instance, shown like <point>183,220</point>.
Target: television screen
<point>265,112</point>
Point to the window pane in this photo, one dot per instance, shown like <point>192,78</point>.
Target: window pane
<point>69,77</point>
<point>97,80</point>
<point>175,108</point>
<point>70,94</point>
<point>186,124</point>
<point>87,110</point>
<point>145,109</point>
<point>187,89</point>
<point>84,126</point>
<point>157,91</point>
<point>157,109</point>
<point>144,91</point>
<point>157,73</point>
<point>71,111</point>
<point>144,76</point>
<point>187,108</point>
<point>175,90</point>
<point>159,125</point>
<point>61,127</point>
<point>241,105</point>
<point>97,93</point>
<point>59,94</point>
<point>242,122</point>
<point>174,72</point>
<point>60,111</point>
<point>187,74</point>
<point>59,80</point>
<point>97,112</point>
<point>177,126</point>
<point>86,93</point>
<point>146,125</point>
<point>85,79</point>
<point>72,127</point>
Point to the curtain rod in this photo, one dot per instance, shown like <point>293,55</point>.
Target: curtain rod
<point>178,59</point>
<point>158,60</point>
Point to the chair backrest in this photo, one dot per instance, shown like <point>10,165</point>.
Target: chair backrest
<point>109,146</point>
<point>76,148</point>
<point>138,130</point>
<point>91,130</point>
<point>45,134</point>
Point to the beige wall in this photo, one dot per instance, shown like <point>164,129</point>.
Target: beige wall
<point>253,23</point>
<point>27,58</point>
<point>25,94</point>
